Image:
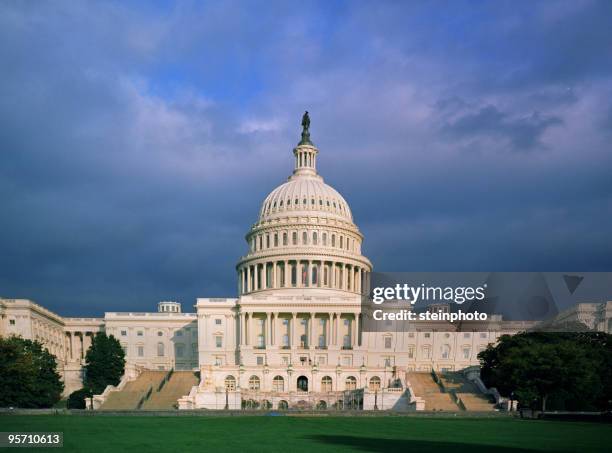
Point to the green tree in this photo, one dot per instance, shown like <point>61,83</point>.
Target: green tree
<point>570,368</point>
<point>105,363</point>
<point>28,374</point>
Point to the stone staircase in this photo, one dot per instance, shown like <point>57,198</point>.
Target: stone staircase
<point>179,384</point>
<point>472,398</point>
<point>132,394</point>
<point>425,387</point>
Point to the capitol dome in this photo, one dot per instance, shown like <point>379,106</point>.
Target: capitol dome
<point>305,236</point>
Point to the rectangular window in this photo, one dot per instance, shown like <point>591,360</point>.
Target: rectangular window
<point>483,335</point>
<point>466,353</point>
<point>387,361</point>
<point>217,322</point>
<point>194,348</point>
<point>387,342</point>
<point>427,335</point>
<point>179,333</point>
<point>140,351</point>
<point>218,360</point>
<point>140,333</point>
<point>321,360</point>
<point>347,360</point>
<point>260,360</point>
<point>285,360</point>
<point>411,352</point>
<point>466,335</point>
<point>12,322</point>
<point>124,333</point>
<point>219,341</point>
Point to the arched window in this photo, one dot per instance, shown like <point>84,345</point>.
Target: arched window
<point>351,383</point>
<point>315,239</point>
<point>374,383</point>
<point>341,241</point>
<point>160,349</point>
<point>267,241</point>
<point>275,239</point>
<point>230,383</point>
<point>285,242</point>
<point>315,275</point>
<point>326,384</point>
<point>304,238</point>
<point>278,384</point>
<point>254,383</point>
<point>294,238</point>
<point>333,240</point>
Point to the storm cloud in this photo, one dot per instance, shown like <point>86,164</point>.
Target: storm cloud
<point>137,140</point>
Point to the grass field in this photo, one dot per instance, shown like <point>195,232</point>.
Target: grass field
<point>314,434</point>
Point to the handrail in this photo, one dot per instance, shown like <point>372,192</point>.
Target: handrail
<point>165,379</point>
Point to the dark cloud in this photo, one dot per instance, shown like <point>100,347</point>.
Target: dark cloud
<point>137,141</point>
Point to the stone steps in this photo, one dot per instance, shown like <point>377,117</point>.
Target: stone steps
<point>472,398</point>
<point>424,386</point>
<point>179,385</point>
<point>129,397</point>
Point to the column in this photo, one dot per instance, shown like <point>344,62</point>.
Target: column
<point>298,273</point>
<point>248,278</point>
<point>309,274</point>
<point>264,279</point>
<point>286,283</point>
<point>332,275</point>
<point>273,328</point>
<point>274,274</point>
<point>293,330</point>
<point>268,330</point>
<point>354,331</point>
<point>311,343</point>
<point>242,329</point>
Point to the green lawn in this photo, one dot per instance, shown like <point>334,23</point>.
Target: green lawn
<point>314,434</point>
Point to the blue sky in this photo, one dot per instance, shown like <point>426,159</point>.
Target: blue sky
<point>138,139</point>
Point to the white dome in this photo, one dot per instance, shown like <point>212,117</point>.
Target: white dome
<point>304,194</point>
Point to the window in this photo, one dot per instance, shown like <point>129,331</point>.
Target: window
<point>315,238</point>
<point>285,341</point>
<point>12,322</point>
<point>333,240</point>
<point>160,334</point>
<point>218,360</point>
<point>125,350</point>
<point>483,335</point>
<point>278,384</point>
<point>326,384</point>
<point>124,333</point>
<point>140,333</point>
<point>294,238</point>
<point>374,383</point>
<point>347,360</point>
<point>160,349</point>
<point>445,351</point>
<point>351,383</point>
<point>285,239</point>
<point>260,360</point>
<point>321,360</point>
<point>304,238</point>
<point>285,360</point>
<point>388,342</point>
<point>276,238</point>
<point>411,335</point>
<point>466,353</point>
<point>180,349</point>
<point>426,352</point>
<point>218,341</point>
<point>466,335</point>
<point>140,351</point>
<point>427,335</point>
<point>346,342</point>
<point>387,361</point>
<point>411,352</point>
<point>230,383</point>
<point>254,383</point>
<point>321,341</point>
<point>324,238</point>
<point>194,348</point>
<point>179,333</point>
<point>267,241</point>
<point>218,322</point>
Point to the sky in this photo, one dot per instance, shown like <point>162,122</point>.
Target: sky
<point>138,139</point>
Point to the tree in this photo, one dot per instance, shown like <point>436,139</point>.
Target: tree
<point>105,363</point>
<point>76,400</point>
<point>28,374</point>
<point>572,368</point>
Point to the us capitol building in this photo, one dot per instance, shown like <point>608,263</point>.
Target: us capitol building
<point>293,337</point>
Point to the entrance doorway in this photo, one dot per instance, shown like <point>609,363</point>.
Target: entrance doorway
<point>302,383</point>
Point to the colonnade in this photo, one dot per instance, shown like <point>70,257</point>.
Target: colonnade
<point>77,344</point>
<point>297,330</point>
<point>300,273</point>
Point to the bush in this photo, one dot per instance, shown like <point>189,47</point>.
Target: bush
<point>76,400</point>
